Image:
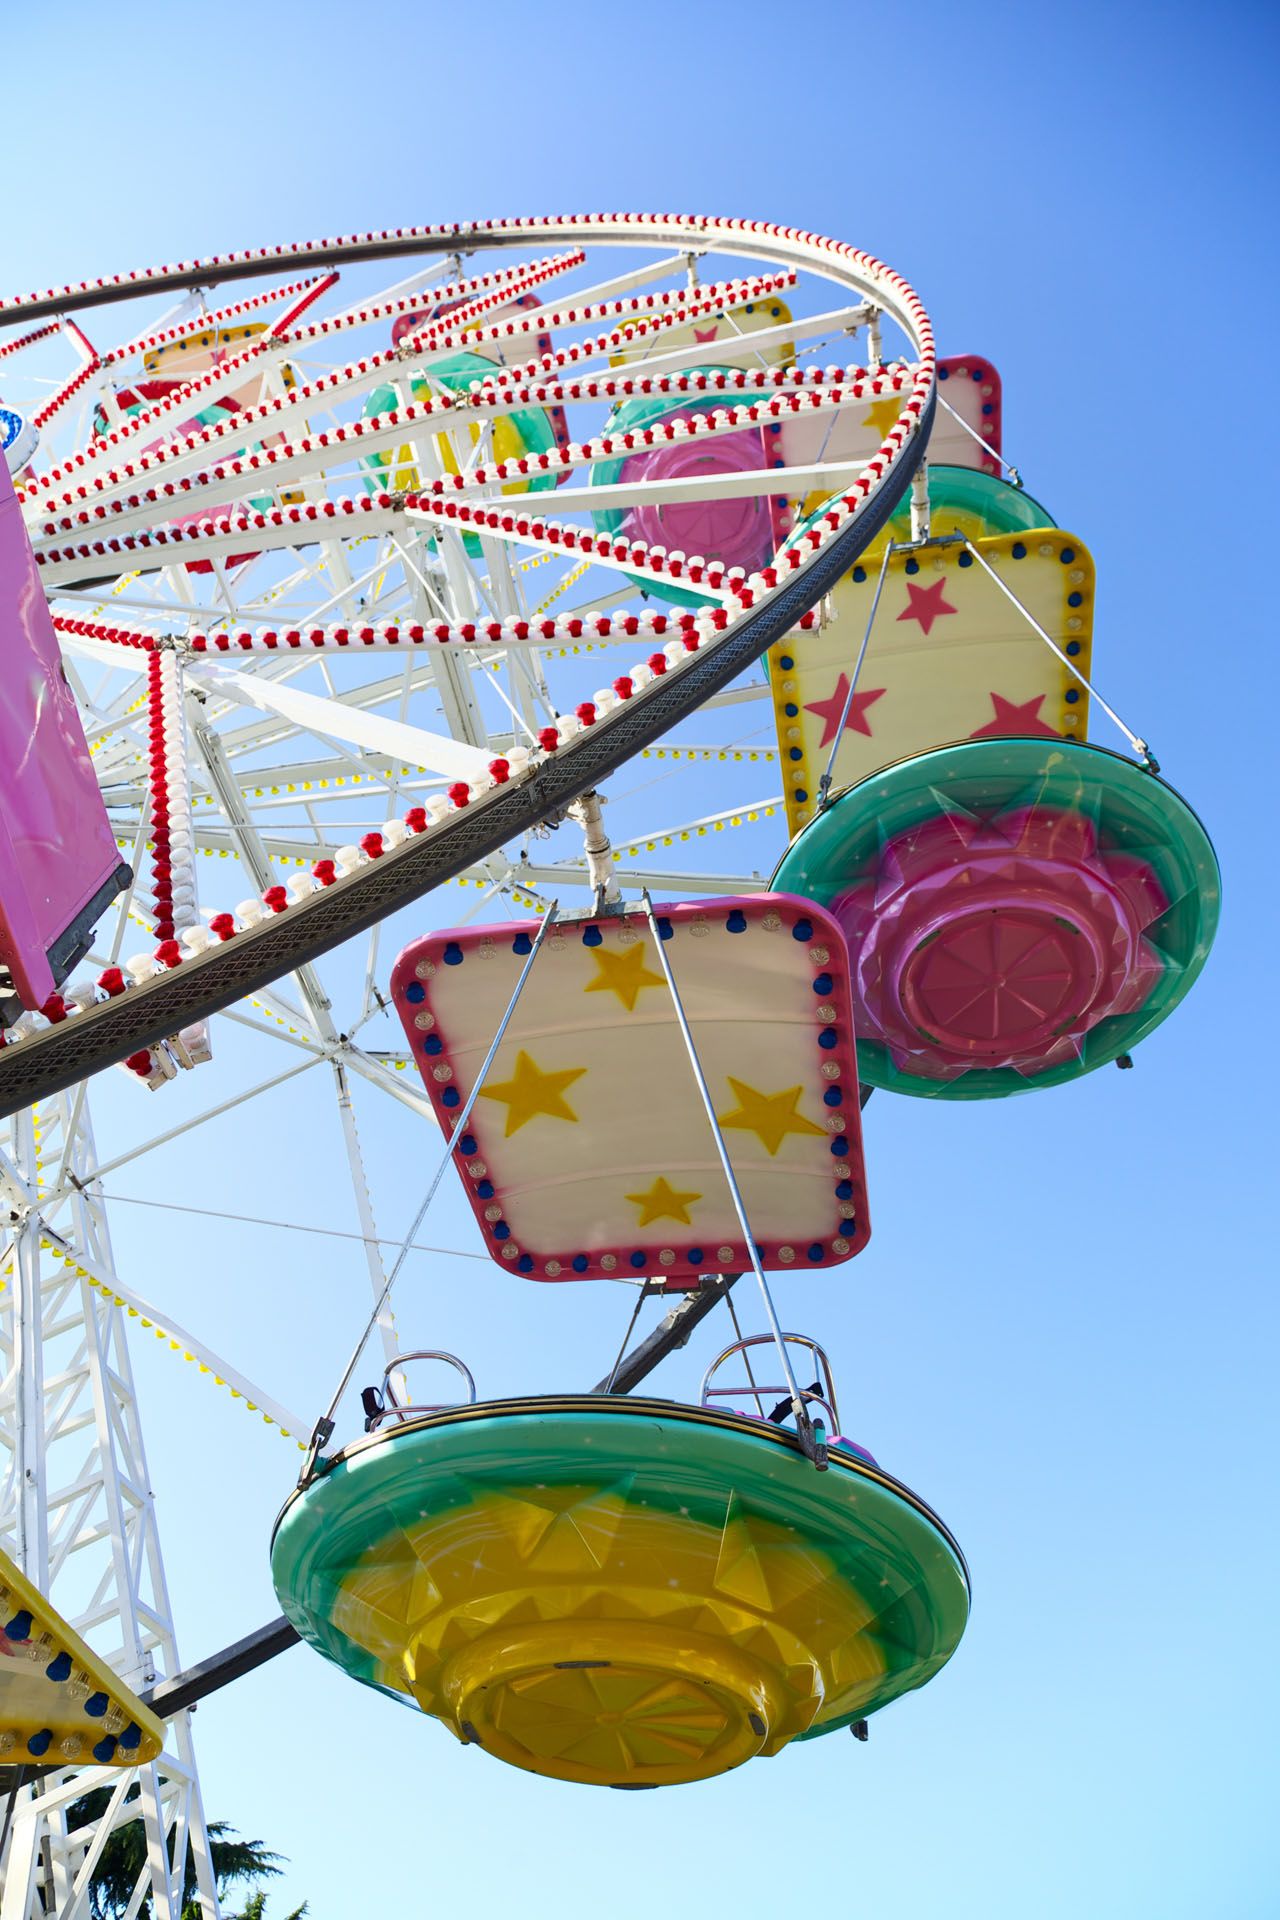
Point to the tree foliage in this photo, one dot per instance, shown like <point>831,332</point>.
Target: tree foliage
<point>237,1863</point>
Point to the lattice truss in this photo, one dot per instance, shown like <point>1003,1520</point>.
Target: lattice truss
<point>340,560</point>
<point>76,1513</point>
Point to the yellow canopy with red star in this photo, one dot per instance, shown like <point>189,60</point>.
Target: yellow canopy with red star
<point>950,658</point>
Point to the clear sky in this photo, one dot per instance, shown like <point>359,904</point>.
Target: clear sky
<point>1064,1332</point>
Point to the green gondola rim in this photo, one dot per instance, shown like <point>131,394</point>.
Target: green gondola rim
<point>842,843</point>
<point>338,1501</point>
<point>1002,507</point>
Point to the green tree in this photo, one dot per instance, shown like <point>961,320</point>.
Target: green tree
<point>236,1863</point>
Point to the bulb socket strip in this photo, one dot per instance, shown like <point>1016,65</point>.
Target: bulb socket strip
<point>377,367</point>
<point>200,323</point>
<point>536,630</point>
<point>191,392</point>
<point>67,391</point>
<point>441,295</point>
<point>277,336</point>
<point>63,565</point>
<point>376,431</point>
<point>613,550</point>
<point>29,339</point>
<point>809,398</point>
<point>161,872</point>
<point>172,835</point>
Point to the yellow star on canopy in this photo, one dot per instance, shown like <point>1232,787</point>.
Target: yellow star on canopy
<point>530,1092</point>
<point>770,1116</point>
<point>663,1202</point>
<point>623,972</point>
<point>881,415</point>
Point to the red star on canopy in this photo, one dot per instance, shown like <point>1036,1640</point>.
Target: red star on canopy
<point>927,604</point>
<point>1012,717</point>
<point>829,711</point>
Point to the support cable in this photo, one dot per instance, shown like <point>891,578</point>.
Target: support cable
<point>804,1425</point>
<point>641,1297</point>
<point>323,1431</point>
<point>1139,745</point>
<point>671,1333</point>
<point>824,785</point>
<point>1012,471</point>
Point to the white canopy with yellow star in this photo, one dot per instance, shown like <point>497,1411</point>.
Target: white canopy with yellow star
<point>588,1153</point>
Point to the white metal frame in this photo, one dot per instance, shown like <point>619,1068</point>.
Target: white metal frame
<point>264,792</point>
<point>76,1513</point>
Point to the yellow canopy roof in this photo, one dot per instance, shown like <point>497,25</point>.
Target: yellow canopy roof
<point>60,1704</point>
<point>950,658</point>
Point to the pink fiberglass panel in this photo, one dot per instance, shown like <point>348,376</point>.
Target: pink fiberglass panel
<point>57,853</point>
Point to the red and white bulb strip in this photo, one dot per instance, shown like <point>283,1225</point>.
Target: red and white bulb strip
<point>621,442</point>
<point>60,395</point>
<point>278,465</point>
<point>366,373</point>
<point>217,380</point>
<point>197,392</point>
<point>173,863</point>
<point>206,323</point>
<point>564,629</point>
<point>29,339</point>
<point>438,296</point>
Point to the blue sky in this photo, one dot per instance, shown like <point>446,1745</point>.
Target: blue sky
<point>1064,1330</point>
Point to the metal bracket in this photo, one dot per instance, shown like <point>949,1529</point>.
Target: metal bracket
<point>321,1435</point>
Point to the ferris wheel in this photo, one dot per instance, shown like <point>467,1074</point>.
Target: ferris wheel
<point>542,558</point>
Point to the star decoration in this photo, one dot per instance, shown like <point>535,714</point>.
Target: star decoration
<point>663,1202</point>
<point>770,1116</point>
<point>704,335</point>
<point>881,415</point>
<point>530,1092</point>
<point>1014,717</point>
<point>829,711</point>
<point>624,973</point>
<point>927,604</point>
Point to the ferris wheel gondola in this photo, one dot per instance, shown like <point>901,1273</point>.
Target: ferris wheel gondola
<point>616,1591</point>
